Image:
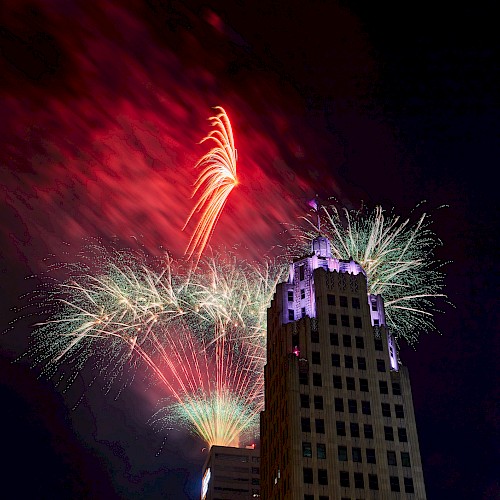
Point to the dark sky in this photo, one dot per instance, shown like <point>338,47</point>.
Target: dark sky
<point>101,111</point>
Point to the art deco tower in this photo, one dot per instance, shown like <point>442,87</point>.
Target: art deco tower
<point>339,421</point>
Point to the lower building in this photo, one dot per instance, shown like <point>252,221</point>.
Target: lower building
<point>231,473</point>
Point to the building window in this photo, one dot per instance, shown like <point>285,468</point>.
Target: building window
<point>363,385</point>
<point>255,481</point>
<point>382,384</point>
<point>290,295</point>
<point>321,450</point>
<point>378,345</point>
<point>373,481</point>
<point>357,322</point>
<point>316,358</point>
<point>403,438</point>
<point>255,470</point>
<point>320,426</point>
<point>400,413</point>
<point>291,315</point>
<point>343,301</point>
<point>340,428</point>
<point>344,320</point>
<point>396,389</point>
<point>409,485</point>
<point>344,479</point>
<point>366,408</point>
<point>356,455</point>
<point>305,424</point>
<point>405,459</point>
<point>346,340</point>
<point>360,343</point>
<point>324,497</point>
<point>394,480</point>
<point>355,303</point>
<point>308,497</point>
<point>386,410</point>
<point>303,312</point>
<point>304,401</point>
<point>317,380</point>
<point>314,336</point>
<point>331,299</point>
<point>307,450</point>
<point>301,272</point>
<point>342,452</point>
<point>368,431</point>
<point>358,480</point>
<point>370,456</point>
<point>334,339</point>
<point>302,293</point>
<point>350,383</point>
<point>354,430</point>
<point>380,365</point>
<point>335,359</point>
<point>332,319</point>
<point>339,404</point>
<point>337,382</point>
<point>361,363</point>
<point>322,476</point>
<point>391,458</point>
<point>303,378</point>
<point>352,405</point>
<point>374,305</point>
<point>348,362</point>
<point>318,402</point>
<point>389,433</point>
<point>308,475</point>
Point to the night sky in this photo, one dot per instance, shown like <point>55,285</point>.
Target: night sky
<point>102,108</point>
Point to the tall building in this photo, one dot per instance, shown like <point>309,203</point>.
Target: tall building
<point>339,421</point>
<point>231,473</point>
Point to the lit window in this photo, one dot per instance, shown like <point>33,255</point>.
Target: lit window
<point>306,450</point>
<point>335,359</point>
<point>346,340</point>
<point>332,319</point>
<point>317,379</point>
<point>386,410</point>
<point>370,456</point>
<point>373,481</point>
<point>355,303</point>
<point>340,428</point>
<point>400,413</point>
<point>409,485</point>
<point>321,450</point>
<point>344,320</point>
<point>318,402</point>
<point>348,362</point>
<point>339,404</point>
<point>350,383</point>
<point>405,459</point>
<point>382,384</point>
<point>343,301</point>
<point>380,365</point>
<point>316,359</point>
<point>344,479</point>
<point>322,476</point>
<point>305,424</point>
<point>357,322</point>
<point>363,385</point>
<point>394,480</point>
<point>308,475</point>
<point>403,438</point>
<point>304,401</point>
<point>391,458</point>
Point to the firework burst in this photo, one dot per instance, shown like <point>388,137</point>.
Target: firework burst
<point>215,182</point>
<point>397,255</point>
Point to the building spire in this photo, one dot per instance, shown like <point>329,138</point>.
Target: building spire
<point>315,205</point>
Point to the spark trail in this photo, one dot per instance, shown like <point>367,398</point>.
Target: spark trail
<point>215,182</point>
<point>397,255</point>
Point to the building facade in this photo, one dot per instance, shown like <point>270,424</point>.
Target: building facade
<point>339,421</point>
<point>231,473</point>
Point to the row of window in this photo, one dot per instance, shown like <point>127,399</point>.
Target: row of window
<point>347,340</point>
<point>344,320</point>
<point>351,403</point>
<point>332,301</point>
<point>349,362</point>
<point>305,423</point>
<point>359,480</point>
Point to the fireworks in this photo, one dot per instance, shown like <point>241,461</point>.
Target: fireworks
<point>398,257</point>
<point>216,181</point>
<point>201,332</point>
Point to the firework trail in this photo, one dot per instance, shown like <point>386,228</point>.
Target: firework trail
<point>215,181</point>
<point>397,255</point>
<point>201,333</point>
